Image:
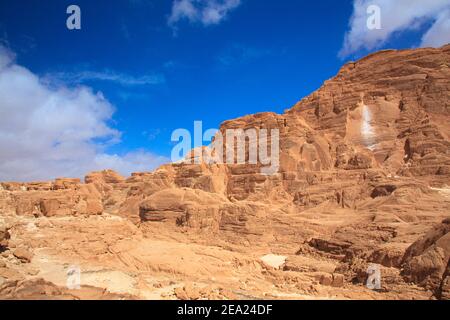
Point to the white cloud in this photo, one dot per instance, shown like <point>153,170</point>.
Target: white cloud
<point>207,12</point>
<point>396,16</point>
<point>439,33</point>
<point>50,132</point>
<point>137,161</point>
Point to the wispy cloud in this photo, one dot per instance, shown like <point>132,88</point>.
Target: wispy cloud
<point>397,16</point>
<point>151,134</point>
<point>206,12</point>
<point>48,132</point>
<point>106,75</point>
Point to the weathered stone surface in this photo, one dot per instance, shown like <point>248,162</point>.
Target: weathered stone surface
<point>338,280</point>
<point>325,279</point>
<point>39,289</point>
<point>4,236</point>
<point>444,289</point>
<point>23,255</point>
<point>426,261</point>
<point>190,208</point>
<point>187,293</point>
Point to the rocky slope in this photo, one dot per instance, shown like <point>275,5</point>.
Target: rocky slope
<point>364,179</point>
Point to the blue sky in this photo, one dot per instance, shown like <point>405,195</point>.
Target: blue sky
<point>162,69</point>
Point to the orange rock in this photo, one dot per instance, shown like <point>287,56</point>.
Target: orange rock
<point>338,280</point>
<point>65,183</point>
<point>4,236</point>
<point>188,292</point>
<point>106,176</point>
<point>426,261</point>
<point>23,255</point>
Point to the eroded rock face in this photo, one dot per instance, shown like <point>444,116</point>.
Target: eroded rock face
<point>387,103</point>
<point>444,289</point>
<point>63,197</point>
<point>4,236</point>
<point>23,255</point>
<point>426,261</point>
<point>183,207</point>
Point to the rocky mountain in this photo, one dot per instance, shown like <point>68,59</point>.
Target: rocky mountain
<point>363,180</point>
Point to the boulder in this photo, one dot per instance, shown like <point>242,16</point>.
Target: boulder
<point>187,292</point>
<point>23,255</point>
<point>325,279</point>
<point>338,280</point>
<point>426,261</point>
<point>4,236</point>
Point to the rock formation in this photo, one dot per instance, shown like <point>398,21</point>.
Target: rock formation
<point>363,178</point>
<point>4,236</point>
<point>426,260</point>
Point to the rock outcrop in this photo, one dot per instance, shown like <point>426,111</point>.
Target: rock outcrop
<point>4,236</point>
<point>426,261</point>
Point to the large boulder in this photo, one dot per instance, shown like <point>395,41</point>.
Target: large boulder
<point>426,261</point>
<point>24,255</point>
<point>4,235</point>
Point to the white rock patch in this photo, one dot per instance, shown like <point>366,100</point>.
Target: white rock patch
<point>367,130</point>
<point>273,260</point>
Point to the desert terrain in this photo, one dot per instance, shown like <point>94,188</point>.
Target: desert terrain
<point>364,180</point>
